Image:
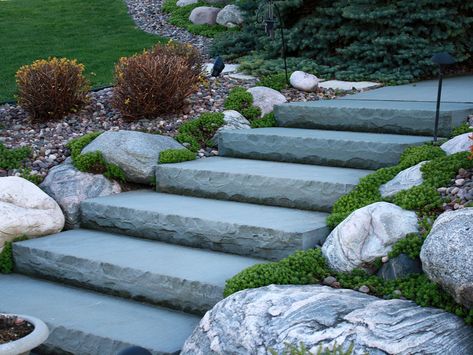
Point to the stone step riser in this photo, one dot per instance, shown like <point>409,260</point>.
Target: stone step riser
<point>340,116</point>
<point>180,294</point>
<point>254,187</point>
<point>315,151</point>
<point>230,237</point>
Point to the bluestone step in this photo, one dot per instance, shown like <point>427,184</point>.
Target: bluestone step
<point>87,323</point>
<point>309,146</point>
<point>300,186</point>
<point>233,227</point>
<point>171,275</point>
<point>398,117</point>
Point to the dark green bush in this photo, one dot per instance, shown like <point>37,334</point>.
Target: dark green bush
<point>179,16</point>
<point>274,81</point>
<point>13,158</point>
<point>388,41</point>
<point>171,156</point>
<point>198,133</point>
<point>410,245</point>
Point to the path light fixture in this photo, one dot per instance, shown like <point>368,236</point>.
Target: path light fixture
<point>442,60</point>
<point>268,14</point>
<point>218,67</point>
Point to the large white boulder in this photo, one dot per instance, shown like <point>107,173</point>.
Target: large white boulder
<point>461,143</point>
<point>304,81</point>
<point>447,254</point>
<point>266,98</point>
<point>69,187</point>
<point>204,15</point>
<point>230,16</point>
<point>136,153</point>
<point>26,210</point>
<point>367,234</point>
<point>265,320</point>
<point>405,180</point>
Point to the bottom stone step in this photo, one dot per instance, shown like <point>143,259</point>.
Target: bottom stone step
<point>86,323</point>
<point>174,276</point>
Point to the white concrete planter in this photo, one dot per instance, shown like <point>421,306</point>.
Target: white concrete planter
<point>24,345</point>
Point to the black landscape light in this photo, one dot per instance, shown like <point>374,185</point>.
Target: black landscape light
<point>442,60</point>
<point>268,13</point>
<point>218,67</point>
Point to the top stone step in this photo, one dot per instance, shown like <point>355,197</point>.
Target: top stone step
<point>401,117</point>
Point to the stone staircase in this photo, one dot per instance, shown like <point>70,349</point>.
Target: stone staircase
<point>147,265</point>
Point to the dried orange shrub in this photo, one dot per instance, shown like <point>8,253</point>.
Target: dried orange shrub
<point>156,81</point>
<point>51,89</point>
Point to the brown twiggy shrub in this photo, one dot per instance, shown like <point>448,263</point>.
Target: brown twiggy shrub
<point>51,89</point>
<point>156,81</point>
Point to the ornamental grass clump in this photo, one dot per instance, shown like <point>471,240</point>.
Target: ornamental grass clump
<point>51,89</point>
<point>156,81</point>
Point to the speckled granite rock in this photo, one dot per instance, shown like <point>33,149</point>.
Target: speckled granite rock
<point>447,254</point>
<point>69,187</point>
<point>366,234</point>
<point>258,320</point>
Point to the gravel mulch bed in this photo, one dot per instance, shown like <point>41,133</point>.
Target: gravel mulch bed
<point>460,193</point>
<point>13,328</point>
<point>148,16</point>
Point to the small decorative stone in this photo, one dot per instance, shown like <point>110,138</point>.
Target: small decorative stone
<point>304,81</point>
<point>364,289</point>
<point>459,182</point>
<point>384,259</point>
<point>329,280</point>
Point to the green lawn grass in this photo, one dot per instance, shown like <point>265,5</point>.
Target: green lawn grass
<point>95,32</point>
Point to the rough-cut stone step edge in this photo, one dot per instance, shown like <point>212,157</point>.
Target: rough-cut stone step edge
<point>167,297</point>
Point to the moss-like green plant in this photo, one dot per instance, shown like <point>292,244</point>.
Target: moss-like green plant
<point>309,267</point>
<point>463,128</point>
<point>302,349</point>
<point>267,121</point>
<point>7,262</point>
<point>93,162</point>
<point>198,133</point>
<point>13,158</point>
<point>25,173</point>
<point>171,156</point>
<point>179,16</point>
<point>274,81</point>
<point>242,101</point>
<point>367,190</point>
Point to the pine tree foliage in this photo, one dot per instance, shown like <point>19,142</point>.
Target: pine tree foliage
<point>385,40</point>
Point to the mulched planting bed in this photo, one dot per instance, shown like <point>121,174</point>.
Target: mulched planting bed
<point>13,328</point>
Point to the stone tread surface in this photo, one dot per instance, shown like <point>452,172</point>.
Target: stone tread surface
<point>234,227</point>
<point>398,117</point>
<point>87,323</point>
<point>180,277</point>
<point>312,146</point>
<point>273,183</point>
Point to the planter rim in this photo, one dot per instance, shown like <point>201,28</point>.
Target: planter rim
<point>29,342</point>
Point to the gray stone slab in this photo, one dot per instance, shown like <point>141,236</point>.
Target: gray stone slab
<point>87,323</point>
<point>308,146</point>
<point>397,117</point>
<point>179,277</point>
<point>300,186</point>
<point>233,227</point>
<point>455,90</point>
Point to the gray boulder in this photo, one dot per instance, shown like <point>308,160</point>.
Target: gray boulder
<point>461,143</point>
<point>69,187</point>
<point>233,120</point>
<point>266,98</point>
<point>204,15</point>
<point>258,321</point>
<point>182,3</point>
<point>367,234</point>
<point>399,267</point>
<point>447,254</point>
<point>405,180</point>
<point>230,16</point>
<point>137,153</point>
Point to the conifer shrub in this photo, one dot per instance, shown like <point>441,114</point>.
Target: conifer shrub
<point>171,156</point>
<point>156,81</point>
<point>51,89</point>
<point>198,133</point>
<point>387,41</point>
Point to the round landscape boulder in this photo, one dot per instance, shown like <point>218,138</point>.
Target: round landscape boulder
<point>266,98</point>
